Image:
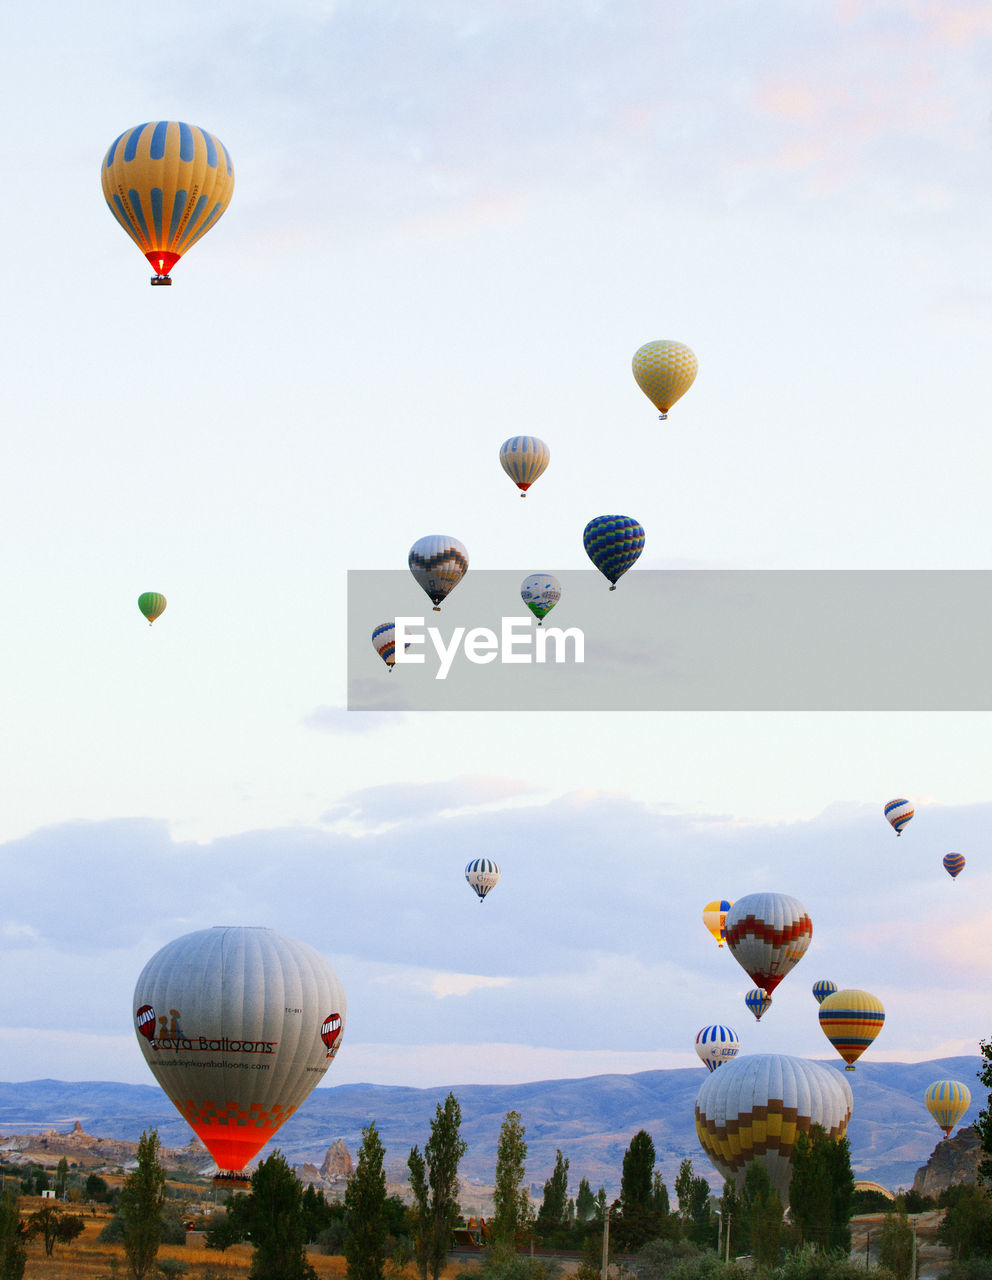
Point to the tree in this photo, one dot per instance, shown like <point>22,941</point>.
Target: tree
<point>275,1216</point>
<point>896,1252</point>
<point>13,1255</point>
<point>365,1202</point>
<point>142,1202</point>
<point>966,1227</point>
<point>434,1182</point>
<point>763,1214</point>
<point>553,1207</point>
<point>636,1175</point>
<point>585,1201</point>
<point>61,1178</point>
<point>821,1193</point>
<point>984,1122</point>
<point>54,1227</point>
<point>511,1203</point>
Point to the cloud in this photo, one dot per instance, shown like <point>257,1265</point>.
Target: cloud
<point>341,720</point>
<point>390,803</point>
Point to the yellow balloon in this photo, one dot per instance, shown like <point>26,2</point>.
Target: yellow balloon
<point>715,918</point>
<point>947,1101</point>
<point>167,183</point>
<point>851,1020</point>
<point>664,371</point>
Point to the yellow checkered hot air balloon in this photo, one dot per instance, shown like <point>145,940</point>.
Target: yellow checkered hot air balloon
<point>664,371</point>
<point>166,183</point>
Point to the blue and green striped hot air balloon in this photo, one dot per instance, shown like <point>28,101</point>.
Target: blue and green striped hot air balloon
<point>613,543</point>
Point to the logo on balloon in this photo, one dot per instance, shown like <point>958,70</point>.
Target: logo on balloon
<point>330,1031</point>
<point>146,1022</point>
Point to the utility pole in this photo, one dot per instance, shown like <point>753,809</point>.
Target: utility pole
<point>606,1245</point>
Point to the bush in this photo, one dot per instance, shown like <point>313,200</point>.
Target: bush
<point>172,1267</point>
<point>658,1257</point>
<point>970,1269</point>
<point>811,1263</point>
<point>512,1266</point>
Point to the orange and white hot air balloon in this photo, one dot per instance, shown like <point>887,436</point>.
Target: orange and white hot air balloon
<point>238,1025</point>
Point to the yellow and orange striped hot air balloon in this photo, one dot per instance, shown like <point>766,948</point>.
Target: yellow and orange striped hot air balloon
<point>851,1020</point>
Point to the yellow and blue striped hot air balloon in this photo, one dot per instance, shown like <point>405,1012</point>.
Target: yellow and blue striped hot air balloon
<point>851,1020</point>
<point>664,371</point>
<point>167,183</point>
<point>953,864</point>
<point>947,1101</point>
<point>758,1001</point>
<point>822,989</point>
<point>524,458</point>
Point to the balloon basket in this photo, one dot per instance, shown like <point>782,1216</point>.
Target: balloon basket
<point>240,1181</point>
<point>161,280</point>
<point>662,417</point>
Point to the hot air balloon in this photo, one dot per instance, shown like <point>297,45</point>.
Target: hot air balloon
<point>899,813</point>
<point>758,1001</point>
<point>768,934</point>
<point>152,605</point>
<point>715,918</point>
<point>947,1101</point>
<point>664,371</point>
<point>167,183</point>
<point>438,563</point>
<point>851,1020</point>
<point>248,1022</point>
<point>540,593</point>
<point>754,1107</point>
<point>482,874</point>
<point>953,864</point>
<point>384,642</point>
<point>823,988</point>
<point>613,543</point>
<point>717,1045</point>
<point>524,458</point>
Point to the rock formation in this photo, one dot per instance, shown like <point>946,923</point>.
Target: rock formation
<point>954,1161</point>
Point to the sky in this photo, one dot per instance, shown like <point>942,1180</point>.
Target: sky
<point>453,223</point>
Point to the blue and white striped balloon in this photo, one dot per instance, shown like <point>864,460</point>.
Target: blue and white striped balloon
<point>717,1045</point>
<point>524,458</point>
<point>482,874</point>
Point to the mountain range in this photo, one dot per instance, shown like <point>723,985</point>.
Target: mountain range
<point>591,1120</point>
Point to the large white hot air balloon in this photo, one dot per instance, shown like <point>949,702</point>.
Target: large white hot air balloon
<point>754,1107</point>
<point>238,1025</point>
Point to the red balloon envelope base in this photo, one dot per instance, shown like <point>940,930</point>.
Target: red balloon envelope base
<point>162,261</point>
<point>231,1135</point>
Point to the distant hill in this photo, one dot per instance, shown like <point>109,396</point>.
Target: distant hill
<point>592,1120</point>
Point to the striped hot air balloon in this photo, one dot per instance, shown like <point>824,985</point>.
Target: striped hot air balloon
<point>758,1001</point>
<point>953,864</point>
<point>822,989</point>
<point>768,934</point>
<point>482,874</point>
<point>851,1020</point>
<point>899,813</point>
<point>152,605</point>
<point>524,458</point>
<point>167,183</point>
<point>613,544</point>
<point>947,1101</point>
<point>754,1107</point>
<point>716,1045</point>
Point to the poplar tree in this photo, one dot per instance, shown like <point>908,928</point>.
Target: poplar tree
<point>555,1202</point>
<point>365,1201</point>
<point>511,1203</point>
<point>434,1182</point>
<point>274,1213</point>
<point>141,1207</point>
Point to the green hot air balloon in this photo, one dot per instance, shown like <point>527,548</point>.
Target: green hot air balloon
<point>152,605</point>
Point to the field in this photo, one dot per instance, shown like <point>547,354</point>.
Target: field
<point>88,1259</point>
